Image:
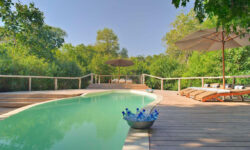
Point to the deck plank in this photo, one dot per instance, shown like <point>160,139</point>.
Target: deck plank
<point>189,124</point>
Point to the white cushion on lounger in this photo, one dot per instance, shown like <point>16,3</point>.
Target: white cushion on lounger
<point>206,85</point>
<point>211,89</point>
<point>239,87</point>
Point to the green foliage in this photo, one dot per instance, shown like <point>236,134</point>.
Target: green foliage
<point>80,54</point>
<point>140,66</point>
<point>237,62</point>
<point>182,26</point>
<point>107,42</point>
<point>165,66</point>
<point>123,53</point>
<point>20,64</point>
<point>230,13</point>
<point>21,19</point>
<point>42,41</point>
<point>98,65</point>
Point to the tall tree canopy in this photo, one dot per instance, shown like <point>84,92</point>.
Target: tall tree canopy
<point>230,13</point>
<point>107,42</point>
<point>123,53</point>
<point>20,19</point>
<point>183,25</point>
<point>23,26</point>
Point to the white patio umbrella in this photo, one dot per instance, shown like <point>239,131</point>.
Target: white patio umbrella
<point>212,39</point>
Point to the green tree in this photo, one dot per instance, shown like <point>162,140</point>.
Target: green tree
<point>230,13</point>
<point>99,66</point>
<point>182,26</point>
<point>123,53</point>
<point>43,41</point>
<point>21,19</point>
<point>167,67</point>
<point>80,54</point>
<point>140,66</point>
<point>107,42</point>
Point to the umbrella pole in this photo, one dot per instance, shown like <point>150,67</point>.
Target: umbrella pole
<point>119,73</point>
<point>223,59</point>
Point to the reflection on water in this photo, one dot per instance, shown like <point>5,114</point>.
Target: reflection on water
<point>91,123</point>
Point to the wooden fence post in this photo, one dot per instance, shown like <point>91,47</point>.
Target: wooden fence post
<point>202,82</point>
<point>126,79</point>
<point>179,85</point>
<point>30,83</point>
<point>80,83</point>
<point>95,79</point>
<point>233,82</point>
<point>162,84</point>
<point>99,79</point>
<point>143,79</point>
<point>91,79</point>
<point>55,83</point>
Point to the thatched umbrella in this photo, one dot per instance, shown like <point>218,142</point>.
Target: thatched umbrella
<point>212,39</point>
<point>120,63</point>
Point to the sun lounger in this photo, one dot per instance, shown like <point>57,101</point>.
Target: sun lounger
<point>189,90</point>
<point>209,95</point>
<point>215,85</point>
<point>195,93</point>
<point>186,93</point>
<point>204,95</point>
<point>182,92</point>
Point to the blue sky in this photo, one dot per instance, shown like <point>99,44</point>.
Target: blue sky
<point>139,24</point>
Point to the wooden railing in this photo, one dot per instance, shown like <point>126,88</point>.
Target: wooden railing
<point>94,78</point>
<point>48,77</point>
<point>190,78</point>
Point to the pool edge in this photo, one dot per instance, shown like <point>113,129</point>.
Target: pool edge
<point>139,139</point>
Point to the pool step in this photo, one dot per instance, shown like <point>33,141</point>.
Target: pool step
<point>39,95</point>
<point>16,100</point>
<point>14,104</point>
<point>117,86</point>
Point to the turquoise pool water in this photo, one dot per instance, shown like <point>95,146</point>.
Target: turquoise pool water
<point>81,123</point>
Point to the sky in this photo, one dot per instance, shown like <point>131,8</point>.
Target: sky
<point>139,24</point>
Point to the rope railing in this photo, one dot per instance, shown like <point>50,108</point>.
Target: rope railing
<point>49,77</point>
<point>190,78</point>
<point>95,78</point>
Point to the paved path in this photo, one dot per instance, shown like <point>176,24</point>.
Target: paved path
<point>186,124</point>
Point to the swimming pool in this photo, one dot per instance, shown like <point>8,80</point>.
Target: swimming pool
<point>91,122</point>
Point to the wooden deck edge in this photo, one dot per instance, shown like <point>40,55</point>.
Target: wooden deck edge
<point>136,140</point>
<point>8,114</point>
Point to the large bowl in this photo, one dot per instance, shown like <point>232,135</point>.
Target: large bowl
<point>140,124</point>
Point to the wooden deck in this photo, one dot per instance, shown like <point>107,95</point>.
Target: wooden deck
<point>12,100</point>
<point>186,124</point>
